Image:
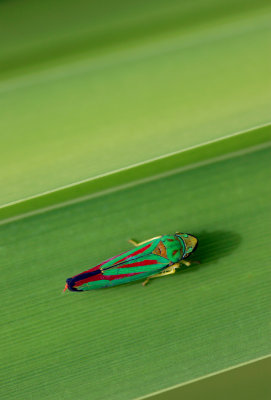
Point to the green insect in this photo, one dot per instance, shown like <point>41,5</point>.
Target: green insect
<point>153,258</point>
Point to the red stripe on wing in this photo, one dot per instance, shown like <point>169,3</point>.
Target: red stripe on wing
<point>135,253</point>
<point>137,264</point>
<point>93,278</point>
<point>98,266</point>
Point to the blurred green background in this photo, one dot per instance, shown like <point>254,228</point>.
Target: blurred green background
<point>90,87</point>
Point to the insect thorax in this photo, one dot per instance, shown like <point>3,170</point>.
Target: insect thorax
<point>170,247</point>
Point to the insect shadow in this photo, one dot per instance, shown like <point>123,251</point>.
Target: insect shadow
<point>212,246</point>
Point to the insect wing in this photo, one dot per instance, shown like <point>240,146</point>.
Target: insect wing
<point>134,264</point>
<point>133,269</point>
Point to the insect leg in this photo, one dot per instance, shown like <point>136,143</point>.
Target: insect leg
<point>136,243</point>
<point>188,263</point>
<point>168,271</point>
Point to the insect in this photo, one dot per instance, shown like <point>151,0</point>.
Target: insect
<point>153,258</point>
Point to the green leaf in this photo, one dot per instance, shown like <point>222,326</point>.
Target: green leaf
<point>132,340</point>
<point>132,119</point>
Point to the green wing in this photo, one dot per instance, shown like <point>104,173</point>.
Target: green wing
<point>139,263</point>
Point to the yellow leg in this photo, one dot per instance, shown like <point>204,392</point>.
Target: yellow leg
<point>188,263</point>
<point>136,243</point>
<point>168,271</point>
